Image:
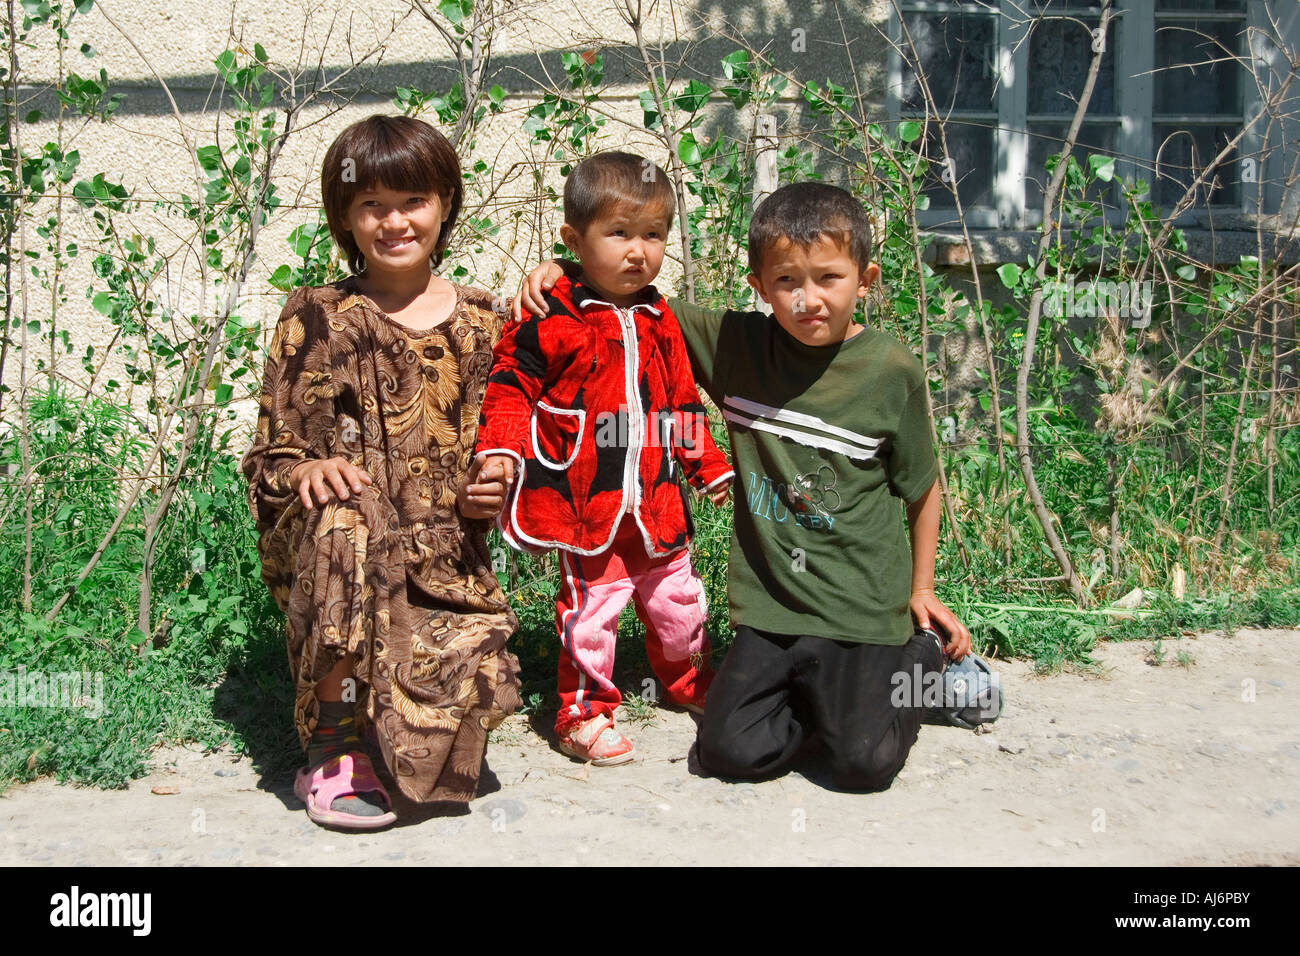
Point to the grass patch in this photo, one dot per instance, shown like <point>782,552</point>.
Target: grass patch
<point>220,677</point>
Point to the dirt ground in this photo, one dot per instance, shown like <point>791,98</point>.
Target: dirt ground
<point>1139,764</point>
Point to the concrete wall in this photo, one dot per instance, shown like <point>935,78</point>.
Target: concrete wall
<point>143,45</point>
<point>147,44</point>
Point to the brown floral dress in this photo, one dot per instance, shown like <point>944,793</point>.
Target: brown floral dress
<point>394,575</point>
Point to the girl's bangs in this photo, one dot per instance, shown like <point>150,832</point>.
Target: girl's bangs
<point>401,168</point>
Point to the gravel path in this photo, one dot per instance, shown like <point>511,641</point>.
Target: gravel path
<point>1136,765</point>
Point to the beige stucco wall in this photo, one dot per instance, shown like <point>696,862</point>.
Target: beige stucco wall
<point>147,44</point>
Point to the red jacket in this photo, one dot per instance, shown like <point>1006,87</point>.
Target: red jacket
<point>557,402</point>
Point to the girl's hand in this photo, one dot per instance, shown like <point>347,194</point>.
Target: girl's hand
<point>326,479</point>
<point>487,483</point>
<point>929,612</point>
<point>720,494</point>
<point>532,291</point>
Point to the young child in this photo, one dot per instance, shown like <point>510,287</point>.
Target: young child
<point>829,428</point>
<point>594,410</point>
<point>368,415</point>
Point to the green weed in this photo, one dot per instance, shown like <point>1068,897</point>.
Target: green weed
<point>638,710</point>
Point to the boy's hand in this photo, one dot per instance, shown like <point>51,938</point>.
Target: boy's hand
<point>487,483</point>
<point>327,479</point>
<point>929,612</point>
<point>720,494</point>
<point>532,291</point>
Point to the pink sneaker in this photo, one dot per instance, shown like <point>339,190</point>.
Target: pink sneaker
<point>597,742</point>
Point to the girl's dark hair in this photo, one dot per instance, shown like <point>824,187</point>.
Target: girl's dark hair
<point>400,152</point>
<point>803,213</point>
<point>601,183</point>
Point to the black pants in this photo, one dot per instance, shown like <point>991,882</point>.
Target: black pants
<point>774,690</point>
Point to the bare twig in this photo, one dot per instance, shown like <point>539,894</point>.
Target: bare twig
<point>1025,458</point>
<point>631,13</point>
<point>20,213</point>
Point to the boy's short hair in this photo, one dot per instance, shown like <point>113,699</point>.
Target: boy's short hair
<point>802,213</point>
<point>400,152</point>
<point>601,183</point>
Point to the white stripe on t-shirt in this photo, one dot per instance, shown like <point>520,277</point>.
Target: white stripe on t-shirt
<point>803,438</point>
<point>766,418</point>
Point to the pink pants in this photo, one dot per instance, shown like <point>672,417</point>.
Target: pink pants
<point>670,602</point>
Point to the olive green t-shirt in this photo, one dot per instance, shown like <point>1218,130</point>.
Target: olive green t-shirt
<point>825,441</point>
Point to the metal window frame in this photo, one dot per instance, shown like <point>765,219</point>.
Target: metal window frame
<point>1134,118</point>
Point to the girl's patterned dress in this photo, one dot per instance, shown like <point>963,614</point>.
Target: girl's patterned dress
<point>394,575</point>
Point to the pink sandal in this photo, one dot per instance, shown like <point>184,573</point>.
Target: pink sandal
<point>345,775</point>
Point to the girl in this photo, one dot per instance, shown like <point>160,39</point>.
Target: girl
<point>359,483</point>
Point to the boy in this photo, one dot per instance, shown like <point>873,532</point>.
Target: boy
<point>828,425</point>
<point>590,413</point>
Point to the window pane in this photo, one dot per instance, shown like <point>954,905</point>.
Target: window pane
<point>1183,153</point>
<point>971,151</point>
<point>958,57</point>
<point>1229,6</point>
<point>1058,6</point>
<point>1060,52</point>
<point>1045,139</point>
<point>1185,80</point>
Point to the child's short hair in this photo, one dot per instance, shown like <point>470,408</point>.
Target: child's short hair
<point>802,213</point>
<point>601,183</point>
<point>400,152</point>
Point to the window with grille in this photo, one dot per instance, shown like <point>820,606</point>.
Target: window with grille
<point>1005,76</point>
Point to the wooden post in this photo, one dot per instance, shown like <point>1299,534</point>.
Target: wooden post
<point>765,176</point>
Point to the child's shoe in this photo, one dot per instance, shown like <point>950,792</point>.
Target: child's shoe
<point>937,638</point>
<point>972,694</point>
<point>343,775</point>
<point>596,741</point>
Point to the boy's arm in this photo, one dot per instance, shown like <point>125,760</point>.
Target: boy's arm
<point>927,609</point>
<point>701,330</point>
<point>700,327</point>
<point>913,475</point>
<point>702,462</point>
